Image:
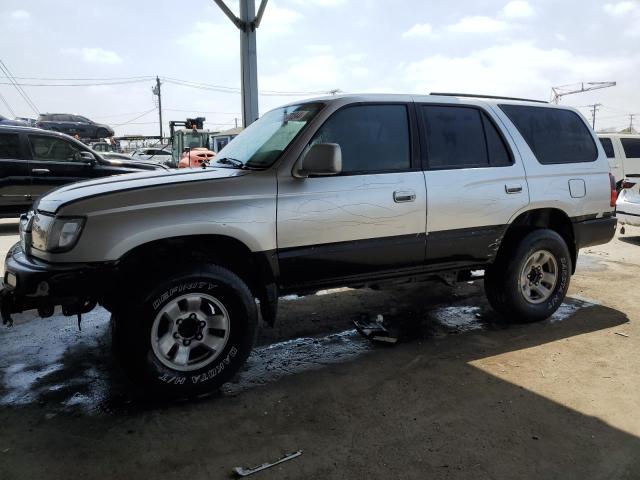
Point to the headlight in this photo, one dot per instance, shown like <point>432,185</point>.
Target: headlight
<point>55,234</point>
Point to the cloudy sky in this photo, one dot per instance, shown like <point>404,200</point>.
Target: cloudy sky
<point>517,48</point>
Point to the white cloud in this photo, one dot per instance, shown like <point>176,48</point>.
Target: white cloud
<point>560,37</point>
<point>20,15</point>
<point>518,69</point>
<point>621,8</point>
<point>419,30</point>
<point>94,55</point>
<point>478,24</point>
<point>278,19</point>
<point>517,9</point>
<point>321,3</point>
<point>212,40</point>
<point>628,10</point>
<point>322,72</point>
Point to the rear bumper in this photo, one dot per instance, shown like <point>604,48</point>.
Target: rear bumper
<point>628,213</point>
<point>29,283</point>
<point>594,232</point>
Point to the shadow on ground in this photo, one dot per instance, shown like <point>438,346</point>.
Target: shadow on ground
<point>418,410</point>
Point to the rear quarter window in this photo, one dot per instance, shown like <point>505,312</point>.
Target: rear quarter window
<point>554,135</point>
<point>607,145</point>
<point>631,147</point>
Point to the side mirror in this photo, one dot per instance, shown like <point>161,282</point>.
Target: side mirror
<point>322,159</point>
<point>88,158</point>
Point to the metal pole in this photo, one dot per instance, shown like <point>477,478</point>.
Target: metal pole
<point>159,105</point>
<point>248,62</point>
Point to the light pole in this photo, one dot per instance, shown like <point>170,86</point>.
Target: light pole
<point>247,23</point>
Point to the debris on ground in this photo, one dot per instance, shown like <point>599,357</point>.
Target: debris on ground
<point>245,472</point>
<point>376,329</point>
<point>621,334</point>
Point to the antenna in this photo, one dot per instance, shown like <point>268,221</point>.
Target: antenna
<point>558,92</point>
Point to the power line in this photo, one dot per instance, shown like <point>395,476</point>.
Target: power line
<point>6,104</point>
<point>130,122</point>
<point>17,86</point>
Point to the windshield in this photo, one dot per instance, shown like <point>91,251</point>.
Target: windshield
<point>264,140</point>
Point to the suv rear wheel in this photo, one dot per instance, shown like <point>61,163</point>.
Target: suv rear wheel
<point>529,281</point>
<point>190,334</point>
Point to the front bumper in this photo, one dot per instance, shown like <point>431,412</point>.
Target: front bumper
<point>30,283</point>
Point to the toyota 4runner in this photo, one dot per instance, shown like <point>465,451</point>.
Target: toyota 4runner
<point>348,190</point>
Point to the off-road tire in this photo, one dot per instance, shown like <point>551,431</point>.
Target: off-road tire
<point>132,326</point>
<point>502,281</point>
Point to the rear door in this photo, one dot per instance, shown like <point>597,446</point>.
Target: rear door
<point>475,183</point>
<point>15,181</point>
<point>55,161</point>
<point>631,147</point>
<point>368,219</point>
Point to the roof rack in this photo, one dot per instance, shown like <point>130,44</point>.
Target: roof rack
<point>472,95</point>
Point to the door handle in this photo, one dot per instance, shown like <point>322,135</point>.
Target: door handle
<point>513,188</point>
<point>40,170</point>
<point>400,196</point>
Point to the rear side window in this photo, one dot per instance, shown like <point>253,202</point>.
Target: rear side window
<point>462,137</point>
<point>373,138</point>
<point>631,147</point>
<point>607,145</point>
<point>554,135</point>
<point>9,145</point>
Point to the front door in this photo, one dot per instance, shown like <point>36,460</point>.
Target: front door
<point>475,183</point>
<point>15,182</point>
<point>370,218</point>
<point>54,162</point>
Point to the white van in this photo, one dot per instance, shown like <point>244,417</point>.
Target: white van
<point>623,152</point>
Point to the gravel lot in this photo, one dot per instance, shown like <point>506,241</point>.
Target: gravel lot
<point>463,395</point>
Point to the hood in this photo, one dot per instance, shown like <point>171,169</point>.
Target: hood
<point>56,199</point>
<point>120,160</point>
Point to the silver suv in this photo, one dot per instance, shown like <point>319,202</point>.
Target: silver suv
<point>340,191</point>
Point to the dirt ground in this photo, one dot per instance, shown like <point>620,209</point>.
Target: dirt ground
<point>463,396</point>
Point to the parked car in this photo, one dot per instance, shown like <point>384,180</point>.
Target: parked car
<point>339,191</point>
<point>195,157</point>
<point>34,161</point>
<point>628,204</point>
<point>101,147</point>
<point>623,152</point>
<point>151,154</point>
<point>7,121</point>
<point>74,124</point>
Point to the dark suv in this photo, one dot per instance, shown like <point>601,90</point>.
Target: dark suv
<point>34,161</point>
<point>72,124</point>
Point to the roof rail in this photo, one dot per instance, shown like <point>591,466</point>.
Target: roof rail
<point>473,95</point>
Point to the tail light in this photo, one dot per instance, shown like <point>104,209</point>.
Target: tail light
<point>628,184</point>
<point>614,193</point>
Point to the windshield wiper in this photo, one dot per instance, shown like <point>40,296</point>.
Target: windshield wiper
<point>229,161</point>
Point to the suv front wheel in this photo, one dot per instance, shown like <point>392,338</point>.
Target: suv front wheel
<point>529,281</point>
<point>189,335</point>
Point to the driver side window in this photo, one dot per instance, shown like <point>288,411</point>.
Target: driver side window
<point>372,138</point>
<point>53,149</point>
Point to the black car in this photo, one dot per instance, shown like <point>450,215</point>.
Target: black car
<point>7,121</point>
<point>34,161</point>
<point>73,124</point>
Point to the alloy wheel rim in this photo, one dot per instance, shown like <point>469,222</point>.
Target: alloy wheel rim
<point>539,277</point>
<point>190,332</point>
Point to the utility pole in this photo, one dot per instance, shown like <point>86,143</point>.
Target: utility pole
<point>156,91</point>
<point>594,109</point>
<point>247,23</point>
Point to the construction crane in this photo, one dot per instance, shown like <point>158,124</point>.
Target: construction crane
<point>558,92</point>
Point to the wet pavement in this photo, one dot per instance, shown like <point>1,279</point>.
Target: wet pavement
<point>53,364</point>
